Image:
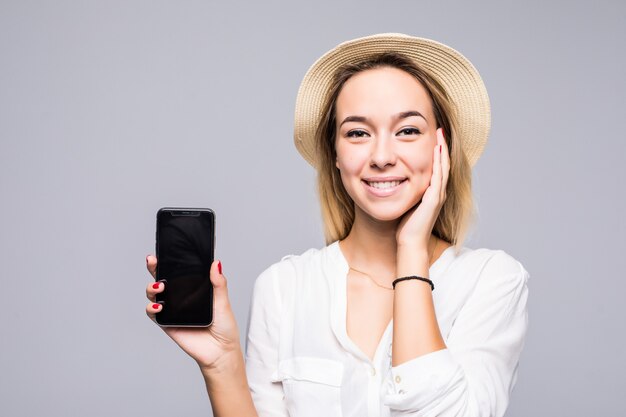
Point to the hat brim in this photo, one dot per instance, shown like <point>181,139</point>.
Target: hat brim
<point>453,71</point>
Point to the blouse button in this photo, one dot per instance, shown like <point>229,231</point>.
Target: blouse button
<point>373,371</point>
<point>398,379</point>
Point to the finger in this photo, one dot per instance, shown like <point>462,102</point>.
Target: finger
<point>435,181</point>
<point>153,289</point>
<point>220,290</point>
<point>152,309</point>
<point>151,263</point>
<point>445,162</point>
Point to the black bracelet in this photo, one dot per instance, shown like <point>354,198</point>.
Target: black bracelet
<point>432,286</point>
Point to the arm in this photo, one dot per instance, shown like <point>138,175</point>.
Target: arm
<point>227,387</point>
<point>263,335</point>
<point>415,328</point>
<point>475,373</point>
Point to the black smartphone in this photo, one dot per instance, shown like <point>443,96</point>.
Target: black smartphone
<point>185,241</point>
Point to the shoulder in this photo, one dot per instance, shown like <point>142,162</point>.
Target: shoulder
<point>495,261</point>
<point>290,267</point>
<point>493,268</point>
<point>485,268</point>
<point>485,261</point>
<point>292,264</point>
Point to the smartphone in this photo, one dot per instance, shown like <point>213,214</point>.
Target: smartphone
<point>185,241</point>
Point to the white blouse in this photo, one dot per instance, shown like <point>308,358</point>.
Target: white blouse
<point>300,361</point>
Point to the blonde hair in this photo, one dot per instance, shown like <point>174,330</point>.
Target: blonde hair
<point>457,212</point>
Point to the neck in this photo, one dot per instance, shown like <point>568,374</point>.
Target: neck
<point>371,246</point>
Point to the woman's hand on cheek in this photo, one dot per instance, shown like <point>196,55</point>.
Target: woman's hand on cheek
<point>417,224</point>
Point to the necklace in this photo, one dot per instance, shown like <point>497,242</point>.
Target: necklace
<point>432,252</point>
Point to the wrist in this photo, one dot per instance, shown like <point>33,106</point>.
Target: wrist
<point>227,385</point>
<point>412,250</point>
<point>413,244</point>
<point>412,259</point>
<point>228,364</point>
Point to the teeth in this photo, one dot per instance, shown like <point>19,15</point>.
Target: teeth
<point>385,184</point>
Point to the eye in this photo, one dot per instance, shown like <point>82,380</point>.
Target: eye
<point>410,131</point>
<point>356,133</point>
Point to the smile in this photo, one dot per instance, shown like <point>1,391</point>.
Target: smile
<point>383,188</point>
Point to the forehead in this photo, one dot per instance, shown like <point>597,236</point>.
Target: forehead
<point>383,90</point>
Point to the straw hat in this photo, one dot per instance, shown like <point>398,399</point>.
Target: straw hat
<point>454,72</point>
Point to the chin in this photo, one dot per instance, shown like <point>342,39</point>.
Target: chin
<point>385,219</point>
<point>389,215</point>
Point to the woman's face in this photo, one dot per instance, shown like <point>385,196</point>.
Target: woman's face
<point>385,138</point>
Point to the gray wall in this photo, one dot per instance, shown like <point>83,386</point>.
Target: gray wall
<point>110,110</point>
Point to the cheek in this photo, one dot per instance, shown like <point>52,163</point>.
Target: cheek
<point>350,162</point>
<point>349,171</point>
<point>347,166</point>
<point>422,164</point>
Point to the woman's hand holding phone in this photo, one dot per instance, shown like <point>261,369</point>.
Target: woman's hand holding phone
<point>213,346</point>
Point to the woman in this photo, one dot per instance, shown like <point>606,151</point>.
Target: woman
<point>392,124</point>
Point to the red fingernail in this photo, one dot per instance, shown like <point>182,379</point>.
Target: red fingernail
<point>155,285</point>
<point>219,266</point>
<point>439,148</point>
<point>156,306</point>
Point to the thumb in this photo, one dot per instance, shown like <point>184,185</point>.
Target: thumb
<point>220,290</point>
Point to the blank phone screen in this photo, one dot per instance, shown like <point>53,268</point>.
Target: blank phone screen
<point>184,247</point>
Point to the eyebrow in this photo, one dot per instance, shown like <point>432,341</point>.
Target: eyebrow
<point>399,116</point>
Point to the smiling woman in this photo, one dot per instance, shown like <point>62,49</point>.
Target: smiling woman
<point>393,125</point>
<point>417,87</point>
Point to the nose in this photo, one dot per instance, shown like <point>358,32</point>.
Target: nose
<point>383,152</point>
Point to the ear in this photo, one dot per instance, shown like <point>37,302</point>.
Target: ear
<point>337,162</point>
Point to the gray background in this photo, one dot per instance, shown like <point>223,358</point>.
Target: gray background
<point>110,110</point>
